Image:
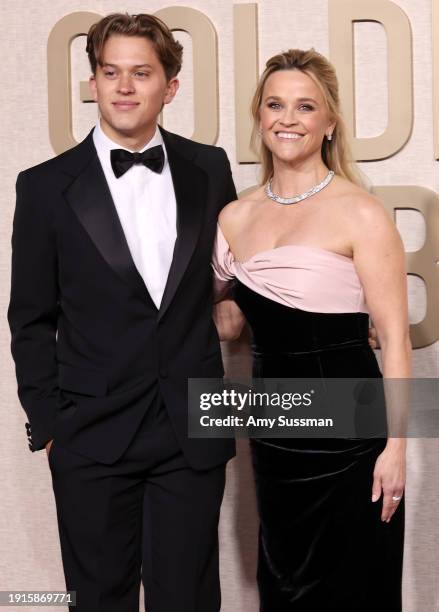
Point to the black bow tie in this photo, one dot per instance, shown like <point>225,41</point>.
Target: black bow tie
<point>122,160</point>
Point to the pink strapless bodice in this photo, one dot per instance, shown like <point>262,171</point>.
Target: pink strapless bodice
<point>304,277</point>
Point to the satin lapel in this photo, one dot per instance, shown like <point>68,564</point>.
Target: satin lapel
<point>90,198</point>
<point>190,186</point>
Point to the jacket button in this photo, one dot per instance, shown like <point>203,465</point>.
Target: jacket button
<point>163,373</point>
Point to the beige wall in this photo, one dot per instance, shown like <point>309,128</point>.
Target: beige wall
<point>29,549</point>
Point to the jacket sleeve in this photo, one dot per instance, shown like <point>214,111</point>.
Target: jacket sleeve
<point>32,313</point>
<point>230,190</point>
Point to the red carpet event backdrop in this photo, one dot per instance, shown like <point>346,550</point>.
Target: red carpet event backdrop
<point>386,54</point>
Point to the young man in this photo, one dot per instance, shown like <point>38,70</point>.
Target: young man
<point>110,314</point>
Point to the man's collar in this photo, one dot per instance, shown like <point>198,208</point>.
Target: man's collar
<point>104,143</point>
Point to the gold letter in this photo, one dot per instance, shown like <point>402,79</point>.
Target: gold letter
<point>204,40</point>
<point>422,263</point>
<point>58,76</point>
<point>342,13</point>
<point>246,76</point>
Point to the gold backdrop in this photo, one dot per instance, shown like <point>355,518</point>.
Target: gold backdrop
<point>387,58</point>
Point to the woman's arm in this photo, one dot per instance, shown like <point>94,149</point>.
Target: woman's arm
<point>380,263</point>
<point>229,320</point>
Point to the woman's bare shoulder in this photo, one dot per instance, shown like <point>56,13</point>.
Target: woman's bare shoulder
<point>236,212</point>
<point>357,202</point>
<point>364,218</point>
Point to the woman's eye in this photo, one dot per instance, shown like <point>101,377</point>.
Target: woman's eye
<point>306,107</point>
<point>274,105</point>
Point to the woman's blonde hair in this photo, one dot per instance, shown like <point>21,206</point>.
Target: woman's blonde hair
<point>335,153</point>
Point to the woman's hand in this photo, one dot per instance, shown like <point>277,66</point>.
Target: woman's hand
<point>373,338</point>
<point>229,320</point>
<point>389,477</point>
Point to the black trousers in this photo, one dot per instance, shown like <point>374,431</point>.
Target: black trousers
<point>148,517</point>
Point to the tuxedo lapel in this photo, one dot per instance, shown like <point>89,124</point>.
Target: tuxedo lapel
<point>190,186</point>
<point>90,199</point>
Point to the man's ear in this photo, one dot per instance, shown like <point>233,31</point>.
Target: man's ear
<point>93,88</point>
<point>171,90</point>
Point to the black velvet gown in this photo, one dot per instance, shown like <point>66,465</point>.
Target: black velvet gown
<point>322,544</point>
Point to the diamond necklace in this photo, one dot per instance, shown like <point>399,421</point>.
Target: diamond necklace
<point>301,196</point>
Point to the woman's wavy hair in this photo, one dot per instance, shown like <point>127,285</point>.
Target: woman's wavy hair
<point>336,152</point>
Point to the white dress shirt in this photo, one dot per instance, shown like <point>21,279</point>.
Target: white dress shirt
<point>147,209</point>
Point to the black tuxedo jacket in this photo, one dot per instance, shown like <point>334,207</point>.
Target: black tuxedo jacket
<point>92,351</point>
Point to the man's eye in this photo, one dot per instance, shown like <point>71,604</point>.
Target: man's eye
<point>142,74</point>
<point>109,73</point>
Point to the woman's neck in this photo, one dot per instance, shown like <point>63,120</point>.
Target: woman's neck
<point>290,180</point>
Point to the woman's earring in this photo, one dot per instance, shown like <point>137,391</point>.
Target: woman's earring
<point>329,137</point>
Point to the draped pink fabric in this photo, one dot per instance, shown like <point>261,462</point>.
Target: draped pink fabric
<point>299,276</point>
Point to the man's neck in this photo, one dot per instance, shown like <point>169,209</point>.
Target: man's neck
<point>133,142</point>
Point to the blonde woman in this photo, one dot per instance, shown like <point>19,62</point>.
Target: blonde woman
<point>312,255</point>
